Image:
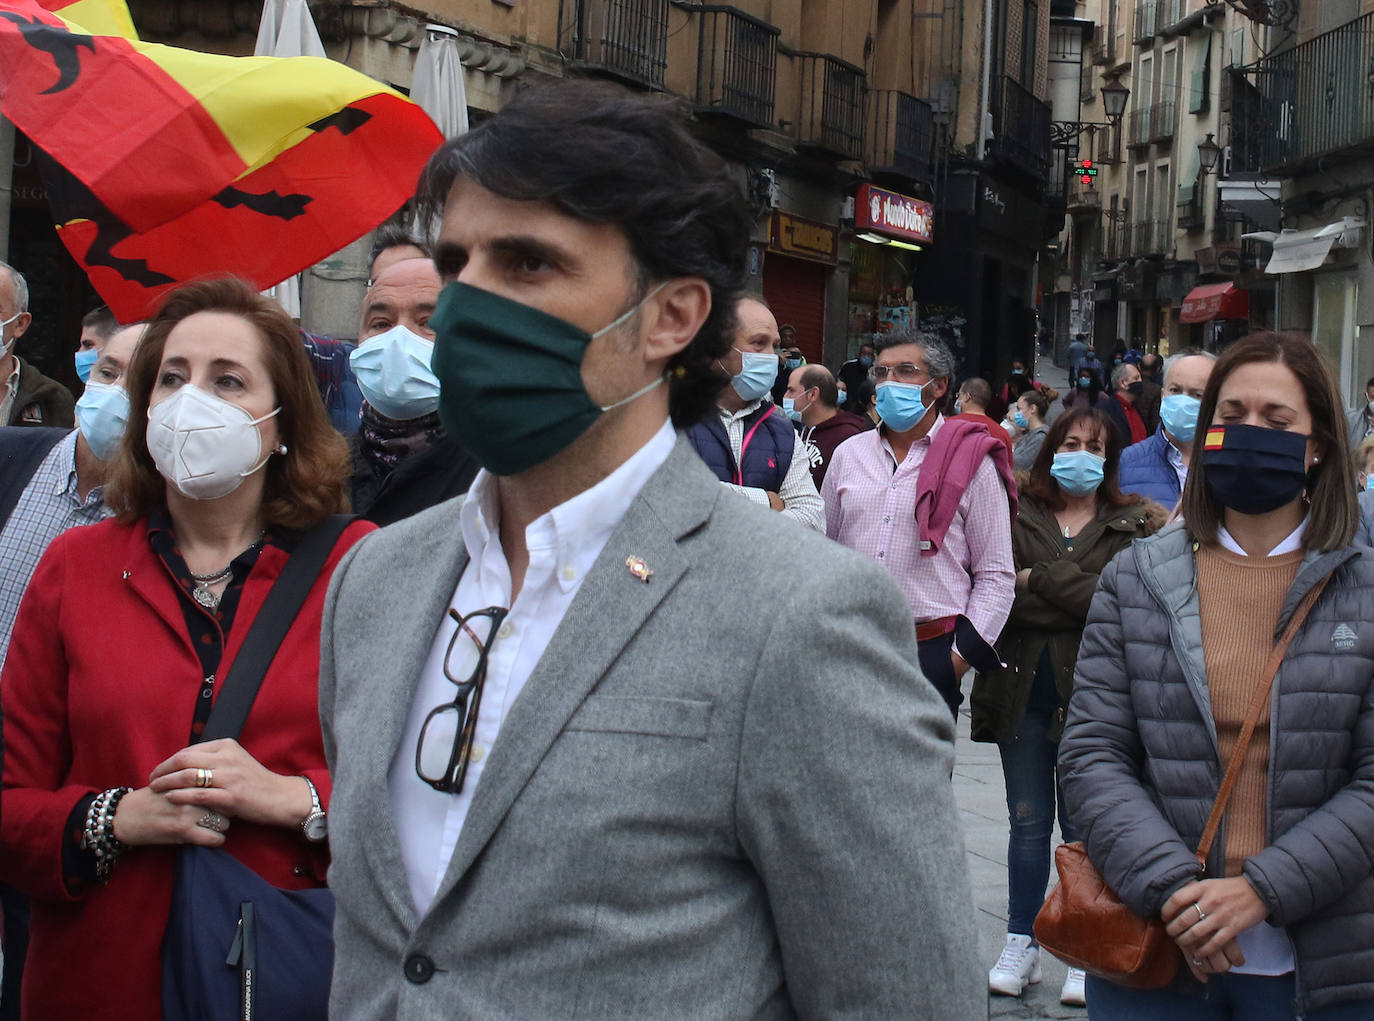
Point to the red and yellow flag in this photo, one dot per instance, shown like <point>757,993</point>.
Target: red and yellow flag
<point>168,164</point>
<point>1215,438</point>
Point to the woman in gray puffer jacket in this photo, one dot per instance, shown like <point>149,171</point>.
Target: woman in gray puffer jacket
<point>1281,923</point>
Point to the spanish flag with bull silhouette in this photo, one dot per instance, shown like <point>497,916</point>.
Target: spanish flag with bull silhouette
<point>164,164</point>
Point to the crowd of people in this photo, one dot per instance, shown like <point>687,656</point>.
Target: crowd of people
<point>542,720</point>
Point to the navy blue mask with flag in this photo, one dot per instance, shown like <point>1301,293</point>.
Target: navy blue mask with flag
<point>1252,469</point>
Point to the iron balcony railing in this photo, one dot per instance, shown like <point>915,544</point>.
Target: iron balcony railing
<point>1146,20</point>
<point>624,38</point>
<point>901,135</point>
<point>1150,237</point>
<point>832,104</point>
<point>1168,13</point>
<point>1021,129</point>
<point>1138,127</point>
<point>1294,108</point>
<point>737,64</point>
<point>1163,121</point>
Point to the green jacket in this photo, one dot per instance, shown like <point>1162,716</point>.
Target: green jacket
<point>41,401</point>
<point>1052,608</point>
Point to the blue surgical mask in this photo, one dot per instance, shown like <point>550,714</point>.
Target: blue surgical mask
<point>793,363</point>
<point>1019,419</point>
<point>85,361</point>
<point>900,405</point>
<point>758,372</point>
<point>841,395</point>
<point>1369,483</point>
<point>101,415</point>
<point>1085,382</point>
<point>866,361</point>
<point>958,407</point>
<point>789,408</point>
<point>1078,472</point>
<point>1178,413</point>
<point>393,373</point>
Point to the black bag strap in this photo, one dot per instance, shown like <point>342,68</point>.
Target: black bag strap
<point>240,688</point>
<point>21,452</point>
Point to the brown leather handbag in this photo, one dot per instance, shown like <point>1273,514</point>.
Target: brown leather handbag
<point>1085,924</point>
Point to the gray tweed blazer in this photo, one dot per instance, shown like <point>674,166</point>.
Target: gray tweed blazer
<point>723,794</point>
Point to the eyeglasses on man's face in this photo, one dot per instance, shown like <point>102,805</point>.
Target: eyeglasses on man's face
<point>445,746</point>
<point>905,372</point>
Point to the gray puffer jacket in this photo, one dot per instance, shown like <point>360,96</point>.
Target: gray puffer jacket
<point>1140,766</point>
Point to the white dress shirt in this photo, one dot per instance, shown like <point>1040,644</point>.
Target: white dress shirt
<point>803,502</point>
<point>563,545</point>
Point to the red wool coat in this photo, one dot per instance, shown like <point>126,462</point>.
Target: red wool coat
<point>98,688</point>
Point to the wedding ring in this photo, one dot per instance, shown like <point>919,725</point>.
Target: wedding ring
<point>211,821</point>
<point>1197,962</point>
<point>205,777</point>
<point>1201,916</point>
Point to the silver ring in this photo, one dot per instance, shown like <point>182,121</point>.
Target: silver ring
<point>1197,962</point>
<point>1201,915</point>
<point>211,821</point>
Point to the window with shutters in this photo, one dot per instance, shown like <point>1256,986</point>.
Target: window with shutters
<point>1200,88</point>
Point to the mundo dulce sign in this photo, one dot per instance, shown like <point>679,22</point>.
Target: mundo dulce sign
<point>893,214</point>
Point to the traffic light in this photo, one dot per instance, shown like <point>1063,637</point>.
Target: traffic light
<point>1085,170</point>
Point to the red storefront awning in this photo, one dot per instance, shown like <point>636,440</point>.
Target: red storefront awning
<point>1215,301</point>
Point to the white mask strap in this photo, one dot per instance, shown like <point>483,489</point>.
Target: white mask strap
<point>616,322</point>
<point>634,396</point>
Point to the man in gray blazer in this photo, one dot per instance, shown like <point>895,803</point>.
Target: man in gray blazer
<point>592,757</point>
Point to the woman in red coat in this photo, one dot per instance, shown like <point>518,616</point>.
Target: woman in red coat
<point>228,458</point>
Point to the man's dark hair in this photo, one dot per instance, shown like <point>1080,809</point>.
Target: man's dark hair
<point>394,235</point>
<point>603,154</point>
<point>979,390</point>
<point>819,378</point>
<point>1369,382</point>
<point>102,321</point>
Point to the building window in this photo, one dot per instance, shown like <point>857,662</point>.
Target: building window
<point>1030,29</point>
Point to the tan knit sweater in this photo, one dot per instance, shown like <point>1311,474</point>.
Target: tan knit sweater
<point>1240,599</point>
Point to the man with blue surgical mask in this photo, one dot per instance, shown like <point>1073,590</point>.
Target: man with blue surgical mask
<point>58,475</point>
<point>932,500</point>
<point>1157,468</point>
<point>748,442</point>
<point>97,326</point>
<point>403,460</point>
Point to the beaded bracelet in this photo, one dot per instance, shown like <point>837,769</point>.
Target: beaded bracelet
<point>98,836</point>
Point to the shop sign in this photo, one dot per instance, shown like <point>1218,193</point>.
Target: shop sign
<point>803,239</point>
<point>1229,261</point>
<point>893,214</point>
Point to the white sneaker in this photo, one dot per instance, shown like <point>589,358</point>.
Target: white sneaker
<point>1072,991</point>
<point>1018,967</point>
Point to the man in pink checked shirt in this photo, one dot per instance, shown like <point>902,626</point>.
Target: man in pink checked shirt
<point>932,500</point>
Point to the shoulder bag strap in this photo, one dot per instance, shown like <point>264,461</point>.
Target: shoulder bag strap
<point>274,619</point>
<point>1257,700</point>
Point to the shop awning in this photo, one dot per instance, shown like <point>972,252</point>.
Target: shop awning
<point>1296,251</point>
<point>1215,301</point>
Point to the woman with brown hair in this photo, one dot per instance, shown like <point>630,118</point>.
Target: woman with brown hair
<point>1278,923</point>
<point>1071,521</point>
<point>228,460</point>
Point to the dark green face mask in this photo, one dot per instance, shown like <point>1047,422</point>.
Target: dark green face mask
<point>510,377</point>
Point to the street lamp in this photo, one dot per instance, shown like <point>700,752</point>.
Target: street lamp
<point>1208,152</point>
<point>1114,96</point>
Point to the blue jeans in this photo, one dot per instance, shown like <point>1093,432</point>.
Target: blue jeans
<point>1028,765</point>
<point>1229,998</point>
